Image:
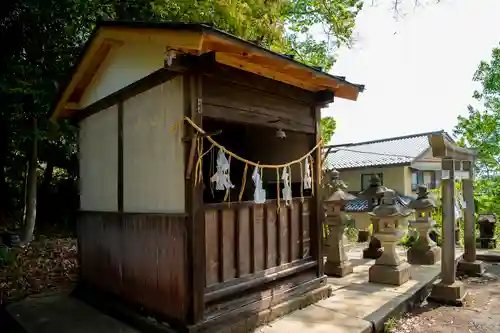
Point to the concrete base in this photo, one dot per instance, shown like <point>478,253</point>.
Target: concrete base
<point>450,294</point>
<point>394,275</point>
<point>419,256</point>
<point>363,236</point>
<point>475,268</point>
<point>338,269</point>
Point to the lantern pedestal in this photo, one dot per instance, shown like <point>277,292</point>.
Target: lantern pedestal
<point>374,249</point>
<point>337,263</point>
<point>390,268</point>
<point>363,236</point>
<point>393,275</point>
<point>424,251</point>
<point>338,269</point>
<point>336,259</point>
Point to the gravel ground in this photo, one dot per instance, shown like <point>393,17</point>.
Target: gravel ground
<point>480,314</point>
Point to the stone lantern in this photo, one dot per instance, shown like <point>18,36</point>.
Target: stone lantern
<point>337,263</point>
<point>487,223</point>
<point>373,194</point>
<point>390,268</point>
<point>424,251</point>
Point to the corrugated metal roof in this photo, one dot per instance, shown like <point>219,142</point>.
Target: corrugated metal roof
<point>360,205</point>
<point>398,150</point>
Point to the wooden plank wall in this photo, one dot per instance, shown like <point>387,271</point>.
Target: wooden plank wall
<point>140,257</point>
<point>243,239</point>
<point>234,95</point>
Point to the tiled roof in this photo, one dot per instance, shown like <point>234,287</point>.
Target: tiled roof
<point>398,150</point>
<point>360,205</point>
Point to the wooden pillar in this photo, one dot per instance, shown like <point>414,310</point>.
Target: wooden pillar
<point>448,290</point>
<point>469,265</point>
<point>194,202</point>
<point>317,213</point>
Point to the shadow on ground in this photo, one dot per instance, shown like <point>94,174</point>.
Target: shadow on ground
<point>480,314</point>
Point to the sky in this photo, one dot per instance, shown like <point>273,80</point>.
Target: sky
<point>417,69</point>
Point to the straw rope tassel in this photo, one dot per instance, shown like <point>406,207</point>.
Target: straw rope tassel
<point>198,171</point>
<point>227,196</point>
<point>311,165</point>
<point>212,170</point>
<point>290,182</point>
<point>301,183</point>
<point>243,182</point>
<point>278,189</point>
<point>270,166</point>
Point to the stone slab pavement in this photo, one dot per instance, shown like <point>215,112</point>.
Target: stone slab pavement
<point>358,306</point>
<point>488,254</point>
<point>60,313</point>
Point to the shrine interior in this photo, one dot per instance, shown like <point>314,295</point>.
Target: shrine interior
<point>257,143</point>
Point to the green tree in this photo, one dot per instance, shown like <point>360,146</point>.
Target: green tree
<point>45,38</point>
<point>328,126</point>
<point>481,130</point>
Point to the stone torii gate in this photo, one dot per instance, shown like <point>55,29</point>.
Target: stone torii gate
<point>457,163</point>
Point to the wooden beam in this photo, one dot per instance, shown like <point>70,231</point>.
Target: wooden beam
<point>94,46</point>
<point>441,147</point>
<point>91,70</point>
<point>146,83</point>
<point>230,60</point>
<point>177,39</point>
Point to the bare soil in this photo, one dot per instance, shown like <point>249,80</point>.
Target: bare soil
<point>480,314</point>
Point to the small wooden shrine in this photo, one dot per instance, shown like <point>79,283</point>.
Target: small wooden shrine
<point>199,172</point>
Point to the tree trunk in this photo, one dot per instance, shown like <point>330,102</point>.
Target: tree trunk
<point>29,227</point>
<point>3,162</point>
<point>44,191</point>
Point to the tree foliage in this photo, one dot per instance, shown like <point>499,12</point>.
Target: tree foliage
<point>328,126</point>
<point>481,130</point>
<point>44,38</point>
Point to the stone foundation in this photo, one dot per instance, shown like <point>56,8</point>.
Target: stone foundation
<point>338,269</point>
<point>475,268</point>
<point>451,294</point>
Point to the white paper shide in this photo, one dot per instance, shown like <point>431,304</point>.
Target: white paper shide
<point>221,176</point>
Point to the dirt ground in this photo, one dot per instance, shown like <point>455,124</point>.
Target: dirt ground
<point>480,314</point>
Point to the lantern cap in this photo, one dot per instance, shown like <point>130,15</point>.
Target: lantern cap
<point>423,201</point>
<point>340,196</point>
<point>338,186</point>
<point>389,207</point>
<point>375,189</point>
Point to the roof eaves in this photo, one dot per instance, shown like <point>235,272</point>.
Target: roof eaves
<point>71,72</point>
<point>373,166</point>
<point>209,28</point>
<point>203,27</point>
<point>409,136</point>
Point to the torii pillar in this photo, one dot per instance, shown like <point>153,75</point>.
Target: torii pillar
<point>448,290</point>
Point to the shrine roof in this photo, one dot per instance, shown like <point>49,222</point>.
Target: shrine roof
<point>360,205</point>
<point>193,39</point>
<point>399,150</point>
